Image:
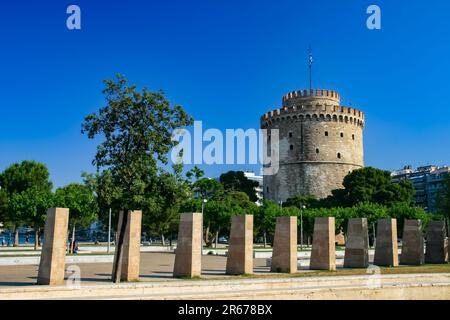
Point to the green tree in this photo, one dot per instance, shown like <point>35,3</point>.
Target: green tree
<point>18,178</point>
<point>195,173</point>
<point>218,213</point>
<point>3,204</point>
<point>300,201</point>
<point>443,198</point>
<point>81,202</point>
<point>137,129</point>
<point>237,181</point>
<point>107,196</point>
<point>402,211</point>
<point>32,205</point>
<point>208,188</point>
<point>373,212</point>
<point>309,216</point>
<point>372,185</point>
<point>265,219</point>
<point>161,210</point>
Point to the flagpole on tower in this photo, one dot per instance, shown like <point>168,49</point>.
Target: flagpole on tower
<point>310,67</point>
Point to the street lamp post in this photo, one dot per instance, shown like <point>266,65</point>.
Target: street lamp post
<point>109,231</point>
<point>301,227</point>
<point>201,238</point>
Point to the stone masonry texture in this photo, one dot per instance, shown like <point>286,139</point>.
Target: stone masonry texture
<point>357,245</point>
<point>129,270</point>
<point>386,247</point>
<point>188,254</point>
<point>284,257</point>
<point>53,256</point>
<point>240,251</point>
<point>437,243</point>
<point>323,254</point>
<point>320,143</point>
<point>412,243</point>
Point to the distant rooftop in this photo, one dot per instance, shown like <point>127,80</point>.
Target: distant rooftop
<point>431,169</point>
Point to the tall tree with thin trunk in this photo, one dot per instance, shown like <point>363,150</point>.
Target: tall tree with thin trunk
<point>82,205</point>
<point>19,178</point>
<point>136,128</point>
<point>32,205</point>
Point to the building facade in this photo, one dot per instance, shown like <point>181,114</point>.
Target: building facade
<point>427,181</point>
<point>250,175</point>
<point>320,142</point>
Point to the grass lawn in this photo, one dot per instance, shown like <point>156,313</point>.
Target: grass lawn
<point>429,268</point>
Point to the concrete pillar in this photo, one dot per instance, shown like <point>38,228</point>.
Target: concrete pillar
<point>323,254</point>
<point>437,244</point>
<point>412,243</point>
<point>240,250</point>
<point>53,254</point>
<point>386,248</point>
<point>188,254</point>
<point>284,257</point>
<point>357,244</point>
<point>131,250</point>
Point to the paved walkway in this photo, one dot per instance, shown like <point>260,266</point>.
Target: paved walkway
<point>155,266</point>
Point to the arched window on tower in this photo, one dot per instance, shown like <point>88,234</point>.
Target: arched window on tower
<point>339,155</point>
<point>290,134</point>
<point>326,133</point>
<point>353,136</point>
<point>317,150</point>
<point>342,134</point>
<point>291,147</point>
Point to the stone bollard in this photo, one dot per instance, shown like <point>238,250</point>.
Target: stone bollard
<point>437,244</point>
<point>53,254</point>
<point>412,243</point>
<point>386,247</point>
<point>188,254</point>
<point>357,244</point>
<point>131,248</point>
<point>284,257</point>
<point>240,250</point>
<point>323,254</point>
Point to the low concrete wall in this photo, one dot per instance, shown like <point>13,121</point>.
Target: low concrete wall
<point>411,286</point>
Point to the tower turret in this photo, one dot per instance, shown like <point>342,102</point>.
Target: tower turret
<point>320,143</point>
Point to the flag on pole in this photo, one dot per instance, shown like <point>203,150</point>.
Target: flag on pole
<point>310,67</point>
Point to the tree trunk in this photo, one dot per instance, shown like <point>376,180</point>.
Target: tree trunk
<point>16,237</point>
<point>39,238</point>
<point>36,238</point>
<point>217,239</point>
<point>207,235</point>
<point>72,242</point>
<point>163,240</point>
<point>265,238</point>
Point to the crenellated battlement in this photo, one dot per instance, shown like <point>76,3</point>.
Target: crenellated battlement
<point>316,112</point>
<point>318,140</point>
<point>310,95</point>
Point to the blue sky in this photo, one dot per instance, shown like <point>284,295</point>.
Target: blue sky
<point>227,63</point>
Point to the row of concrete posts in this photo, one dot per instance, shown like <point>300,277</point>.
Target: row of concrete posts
<point>240,250</point>
<point>323,254</point>
<point>53,254</point>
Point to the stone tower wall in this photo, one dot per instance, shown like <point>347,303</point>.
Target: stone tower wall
<point>320,143</point>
